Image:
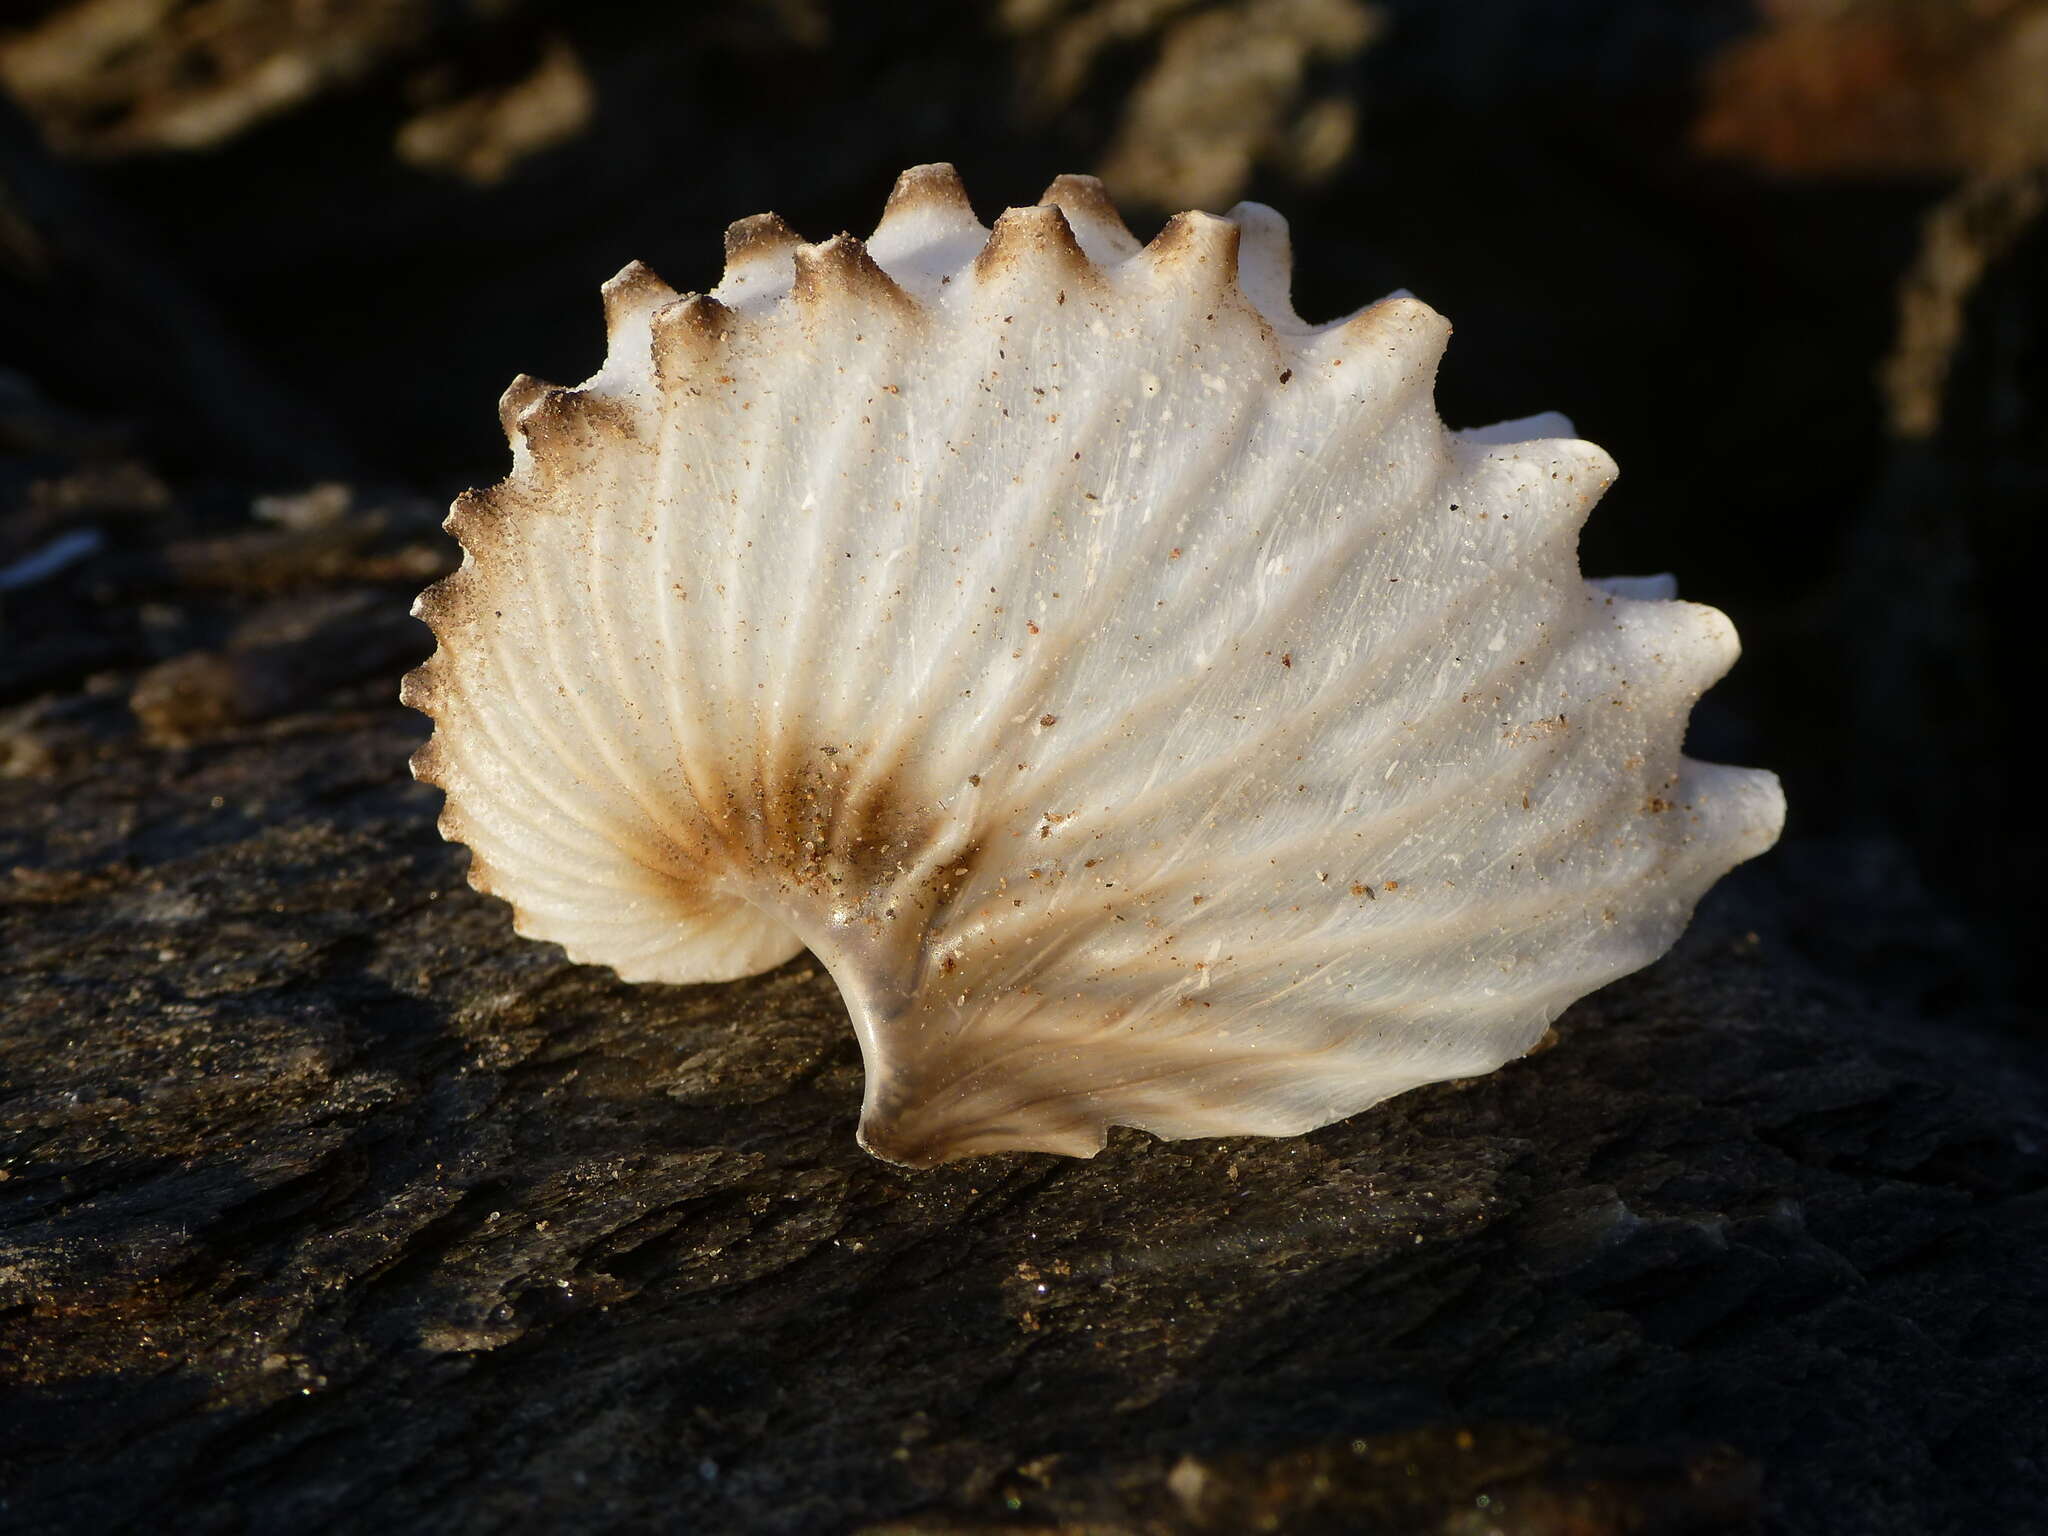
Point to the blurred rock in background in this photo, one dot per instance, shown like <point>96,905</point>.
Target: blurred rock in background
<point>1929,622</point>
<point>1882,88</point>
<point>106,78</point>
<point>1224,88</point>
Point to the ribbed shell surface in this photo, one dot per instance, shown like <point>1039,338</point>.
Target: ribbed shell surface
<point>1139,701</point>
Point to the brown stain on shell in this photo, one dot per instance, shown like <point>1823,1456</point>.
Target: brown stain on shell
<point>803,830</point>
<point>814,838</point>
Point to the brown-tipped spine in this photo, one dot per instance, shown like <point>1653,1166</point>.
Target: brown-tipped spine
<point>936,187</point>
<point>686,333</point>
<point>1085,199</point>
<point>1033,240</point>
<point>1200,247</point>
<point>469,513</point>
<point>761,237</point>
<point>519,395</point>
<point>843,265</point>
<point>416,690</point>
<point>563,425</point>
<point>429,761</point>
<point>636,290</point>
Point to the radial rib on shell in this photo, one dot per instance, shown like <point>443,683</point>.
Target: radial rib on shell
<point>1136,698</point>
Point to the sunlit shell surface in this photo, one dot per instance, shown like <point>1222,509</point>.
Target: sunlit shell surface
<point>1144,707</point>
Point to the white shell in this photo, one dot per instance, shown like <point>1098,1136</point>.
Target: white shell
<point>1137,699</point>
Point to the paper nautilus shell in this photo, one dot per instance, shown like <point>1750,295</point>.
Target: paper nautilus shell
<point>1135,697</point>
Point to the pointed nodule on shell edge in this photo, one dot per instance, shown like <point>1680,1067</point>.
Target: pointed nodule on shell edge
<point>1197,246</point>
<point>1403,327</point>
<point>416,691</point>
<point>934,188</point>
<point>843,265</point>
<point>1033,239</point>
<point>686,333</point>
<point>759,237</point>
<point>519,397</point>
<point>564,427</point>
<point>470,515</point>
<point>636,291</point>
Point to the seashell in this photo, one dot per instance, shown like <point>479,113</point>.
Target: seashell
<point>1134,696</point>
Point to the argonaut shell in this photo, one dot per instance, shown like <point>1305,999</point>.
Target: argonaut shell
<point>1142,705</point>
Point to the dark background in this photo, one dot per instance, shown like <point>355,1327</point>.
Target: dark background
<point>1789,265</point>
